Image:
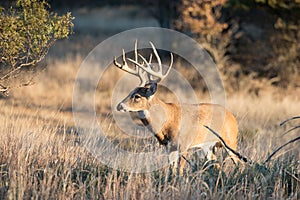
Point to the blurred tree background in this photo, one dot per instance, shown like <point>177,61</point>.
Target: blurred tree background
<point>252,41</point>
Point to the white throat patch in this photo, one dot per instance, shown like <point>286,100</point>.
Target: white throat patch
<point>144,114</point>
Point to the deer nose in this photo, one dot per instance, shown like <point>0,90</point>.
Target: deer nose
<point>121,107</point>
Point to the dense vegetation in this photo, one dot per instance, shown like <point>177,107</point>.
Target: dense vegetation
<point>47,166</point>
<point>28,30</point>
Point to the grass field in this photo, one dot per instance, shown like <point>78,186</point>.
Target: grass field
<point>41,156</point>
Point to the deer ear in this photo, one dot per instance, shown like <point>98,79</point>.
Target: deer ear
<point>151,90</point>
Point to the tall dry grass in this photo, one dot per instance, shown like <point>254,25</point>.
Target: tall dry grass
<point>42,156</point>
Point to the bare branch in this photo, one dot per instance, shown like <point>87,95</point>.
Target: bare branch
<point>290,130</point>
<point>281,147</point>
<point>292,118</point>
<point>10,73</point>
<point>228,147</point>
<point>292,175</point>
<point>3,89</point>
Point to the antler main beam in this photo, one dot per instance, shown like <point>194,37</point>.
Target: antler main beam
<point>144,70</point>
<point>124,65</point>
<point>149,69</point>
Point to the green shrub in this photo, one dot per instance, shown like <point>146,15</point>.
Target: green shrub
<point>27,31</point>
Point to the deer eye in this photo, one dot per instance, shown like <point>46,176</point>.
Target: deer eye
<point>137,97</point>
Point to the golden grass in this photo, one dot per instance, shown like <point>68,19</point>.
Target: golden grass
<point>53,87</point>
<point>41,154</point>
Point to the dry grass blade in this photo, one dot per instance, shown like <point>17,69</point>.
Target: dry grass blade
<point>292,175</point>
<point>40,159</point>
<point>281,147</point>
<point>189,163</point>
<point>290,130</point>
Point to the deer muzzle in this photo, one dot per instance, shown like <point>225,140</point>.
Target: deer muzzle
<point>122,107</point>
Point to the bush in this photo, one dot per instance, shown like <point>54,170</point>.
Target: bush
<point>27,31</point>
<point>234,31</point>
<point>202,19</point>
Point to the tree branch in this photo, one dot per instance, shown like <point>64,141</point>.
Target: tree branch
<point>228,147</point>
<point>289,119</point>
<point>281,147</point>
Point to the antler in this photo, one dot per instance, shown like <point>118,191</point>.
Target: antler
<point>144,70</point>
<point>124,66</point>
<point>149,69</point>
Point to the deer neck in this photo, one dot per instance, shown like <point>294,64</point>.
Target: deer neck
<point>146,115</point>
<point>156,118</point>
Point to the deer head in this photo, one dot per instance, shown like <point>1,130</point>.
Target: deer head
<point>139,99</point>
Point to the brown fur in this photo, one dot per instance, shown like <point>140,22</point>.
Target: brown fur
<point>183,124</point>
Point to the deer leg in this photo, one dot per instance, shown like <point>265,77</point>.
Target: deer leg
<point>210,151</point>
<point>214,150</point>
<point>211,155</point>
<point>173,159</point>
<point>182,162</point>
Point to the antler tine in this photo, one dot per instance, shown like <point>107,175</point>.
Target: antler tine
<point>157,56</point>
<point>116,63</point>
<point>170,66</point>
<point>144,70</point>
<point>124,65</point>
<point>159,61</point>
<point>141,73</point>
<point>150,58</point>
<point>135,52</point>
<point>148,68</point>
<point>151,72</point>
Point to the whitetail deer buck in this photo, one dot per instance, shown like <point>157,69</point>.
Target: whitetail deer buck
<point>183,132</point>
